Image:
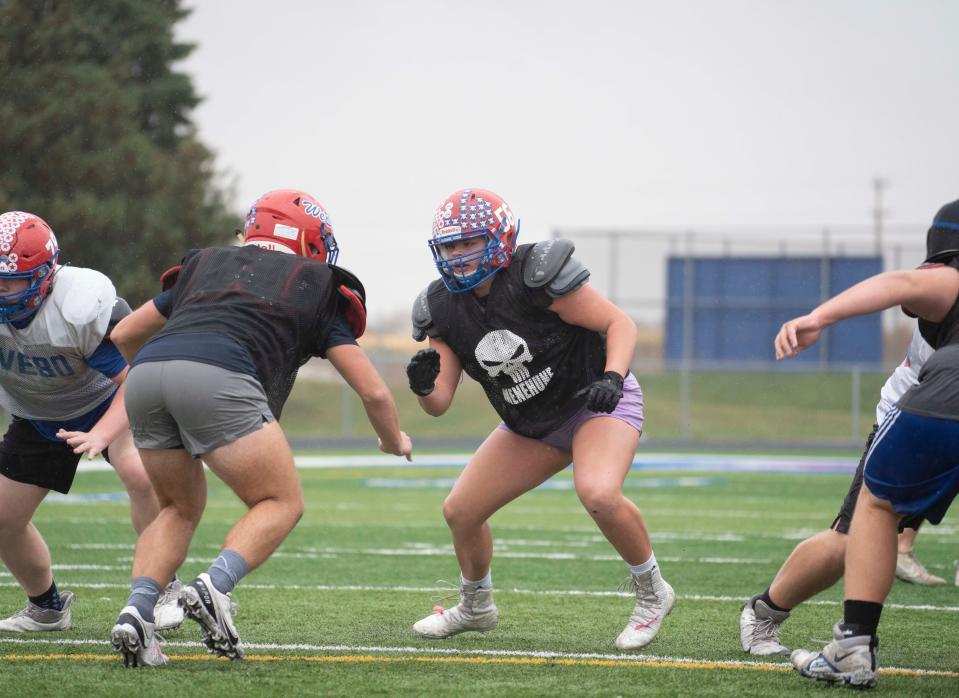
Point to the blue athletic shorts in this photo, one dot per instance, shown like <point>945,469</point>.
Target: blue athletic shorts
<point>914,464</point>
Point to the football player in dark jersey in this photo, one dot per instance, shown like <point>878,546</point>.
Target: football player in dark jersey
<point>553,356</point>
<point>912,468</point>
<point>225,342</point>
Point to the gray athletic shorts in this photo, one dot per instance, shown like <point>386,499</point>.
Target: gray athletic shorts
<point>192,405</point>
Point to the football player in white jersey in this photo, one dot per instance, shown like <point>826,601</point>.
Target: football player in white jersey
<point>61,384</point>
<point>818,562</point>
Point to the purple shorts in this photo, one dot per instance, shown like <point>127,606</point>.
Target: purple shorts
<point>629,410</point>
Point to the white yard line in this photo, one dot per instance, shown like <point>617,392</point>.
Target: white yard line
<point>499,590</point>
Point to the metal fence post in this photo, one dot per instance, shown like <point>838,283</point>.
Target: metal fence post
<point>685,378</point>
<point>856,383</point>
<point>346,411</point>
<point>825,292</point>
<point>614,267</point>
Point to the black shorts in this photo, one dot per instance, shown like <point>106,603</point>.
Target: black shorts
<point>27,456</point>
<point>841,523</point>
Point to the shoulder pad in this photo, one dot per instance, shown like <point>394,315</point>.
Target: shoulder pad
<point>552,265</point>
<point>544,261</point>
<point>88,297</point>
<point>354,296</point>
<point>86,302</point>
<point>169,277</point>
<point>120,310</point>
<point>422,319</point>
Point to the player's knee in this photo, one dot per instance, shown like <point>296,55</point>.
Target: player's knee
<point>10,524</point>
<point>457,514</point>
<point>188,511</point>
<point>829,547</point>
<point>137,484</point>
<point>598,499</point>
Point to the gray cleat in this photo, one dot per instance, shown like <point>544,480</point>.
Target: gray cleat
<point>34,619</point>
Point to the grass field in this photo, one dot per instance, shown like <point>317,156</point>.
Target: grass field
<point>738,407</point>
<point>330,614</point>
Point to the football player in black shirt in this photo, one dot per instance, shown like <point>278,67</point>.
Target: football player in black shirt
<point>911,469</point>
<point>553,357</point>
<point>225,342</point>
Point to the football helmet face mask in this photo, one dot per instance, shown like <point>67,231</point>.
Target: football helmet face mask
<point>472,214</point>
<point>942,240</point>
<point>28,251</point>
<point>287,220</point>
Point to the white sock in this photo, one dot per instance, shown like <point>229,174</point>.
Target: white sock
<point>484,583</point>
<point>645,566</point>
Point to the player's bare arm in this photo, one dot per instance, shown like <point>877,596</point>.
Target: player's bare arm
<point>588,308</point>
<point>928,292</point>
<point>352,363</point>
<point>133,331</point>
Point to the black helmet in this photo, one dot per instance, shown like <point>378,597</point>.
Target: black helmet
<point>942,240</point>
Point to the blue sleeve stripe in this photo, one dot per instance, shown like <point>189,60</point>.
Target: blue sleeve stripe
<point>107,359</point>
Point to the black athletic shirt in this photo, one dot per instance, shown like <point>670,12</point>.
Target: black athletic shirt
<point>937,394</point>
<point>251,310</point>
<point>529,362</point>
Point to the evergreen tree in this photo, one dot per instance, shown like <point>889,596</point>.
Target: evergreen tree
<point>96,136</point>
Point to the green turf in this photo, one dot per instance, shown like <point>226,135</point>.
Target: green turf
<point>721,535</point>
<point>724,406</point>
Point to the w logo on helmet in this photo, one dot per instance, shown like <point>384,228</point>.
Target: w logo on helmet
<point>313,209</point>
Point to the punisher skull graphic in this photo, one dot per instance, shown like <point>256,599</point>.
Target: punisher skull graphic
<point>501,351</point>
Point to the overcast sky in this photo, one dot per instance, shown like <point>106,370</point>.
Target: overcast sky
<point>587,113</point>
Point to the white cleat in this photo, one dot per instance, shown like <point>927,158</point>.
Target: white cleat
<point>168,612</point>
<point>759,629</point>
<point>213,610</point>
<point>475,611</point>
<point>655,598</point>
<point>909,569</point>
<point>34,619</point>
<point>136,640</point>
<point>848,660</point>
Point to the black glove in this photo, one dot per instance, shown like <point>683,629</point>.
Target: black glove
<point>422,371</point>
<point>604,394</point>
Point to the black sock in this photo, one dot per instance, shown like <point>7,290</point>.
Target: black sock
<point>860,618</point>
<point>48,599</point>
<point>764,597</point>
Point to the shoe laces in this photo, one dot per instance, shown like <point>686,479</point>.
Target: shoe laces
<point>641,585</point>
<point>648,602</point>
<point>765,630</point>
<point>26,611</point>
<point>464,594</point>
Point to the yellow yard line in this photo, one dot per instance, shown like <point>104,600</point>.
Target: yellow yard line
<point>526,661</point>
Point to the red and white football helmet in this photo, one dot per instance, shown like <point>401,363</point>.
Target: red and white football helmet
<point>288,220</point>
<point>470,213</point>
<point>28,250</point>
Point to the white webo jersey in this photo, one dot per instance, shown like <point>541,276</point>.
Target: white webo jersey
<point>43,370</point>
<point>905,376</point>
